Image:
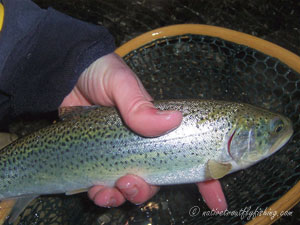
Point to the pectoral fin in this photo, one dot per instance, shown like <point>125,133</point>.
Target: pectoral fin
<point>216,170</point>
<point>12,208</point>
<point>73,192</point>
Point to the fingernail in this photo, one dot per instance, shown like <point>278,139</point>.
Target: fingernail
<point>218,201</point>
<point>166,114</point>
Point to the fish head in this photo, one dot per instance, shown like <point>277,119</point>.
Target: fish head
<point>257,135</point>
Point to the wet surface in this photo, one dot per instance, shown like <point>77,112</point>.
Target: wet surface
<point>276,21</point>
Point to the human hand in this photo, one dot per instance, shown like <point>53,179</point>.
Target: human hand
<point>110,82</point>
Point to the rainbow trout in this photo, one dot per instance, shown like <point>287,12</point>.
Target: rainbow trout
<point>92,146</point>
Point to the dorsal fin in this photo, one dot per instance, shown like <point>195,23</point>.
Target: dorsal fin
<point>6,139</point>
<point>68,113</point>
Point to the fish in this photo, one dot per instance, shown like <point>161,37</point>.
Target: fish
<point>93,146</point>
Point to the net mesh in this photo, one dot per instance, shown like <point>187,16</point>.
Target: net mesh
<point>195,66</point>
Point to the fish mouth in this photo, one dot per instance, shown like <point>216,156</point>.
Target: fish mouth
<point>286,135</point>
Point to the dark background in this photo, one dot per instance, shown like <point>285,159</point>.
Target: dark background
<point>277,21</point>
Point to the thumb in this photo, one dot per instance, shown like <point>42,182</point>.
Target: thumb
<point>109,81</point>
<point>142,117</point>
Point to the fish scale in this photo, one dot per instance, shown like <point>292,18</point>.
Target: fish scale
<point>91,145</point>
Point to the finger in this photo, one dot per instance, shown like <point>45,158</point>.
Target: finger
<point>213,195</point>
<point>148,121</point>
<point>135,189</point>
<point>105,196</point>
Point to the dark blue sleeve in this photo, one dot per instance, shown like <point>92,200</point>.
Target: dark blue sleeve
<point>43,52</point>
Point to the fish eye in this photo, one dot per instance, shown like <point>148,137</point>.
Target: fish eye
<point>278,128</point>
<point>277,125</point>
